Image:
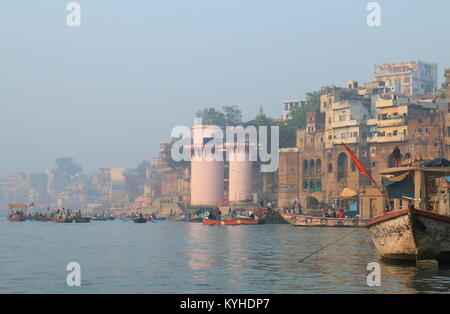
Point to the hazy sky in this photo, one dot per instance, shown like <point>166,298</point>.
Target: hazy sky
<point>107,93</point>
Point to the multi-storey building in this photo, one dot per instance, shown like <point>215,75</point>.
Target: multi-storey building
<point>372,120</point>
<point>288,105</point>
<point>409,78</point>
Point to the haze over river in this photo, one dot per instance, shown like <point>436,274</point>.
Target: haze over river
<point>179,257</point>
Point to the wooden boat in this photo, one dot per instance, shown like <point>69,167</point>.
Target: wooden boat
<point>63,220</point>
<point>17,218</point>
<point>414,233</point>
<point>231,222</point>
<point>139,220</point>
<point>310,221</point>
<point>82,219</point>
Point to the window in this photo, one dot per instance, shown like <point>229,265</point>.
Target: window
<point>318,166</point>
<point>330,168</point>
<point>305,184</point>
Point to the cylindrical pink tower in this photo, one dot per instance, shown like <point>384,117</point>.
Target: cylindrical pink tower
<point>207,173</point>
<point>240,174</point>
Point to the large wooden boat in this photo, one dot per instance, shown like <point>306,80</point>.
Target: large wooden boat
<point>18,212</point>
<point>231,222</point>
<point>419,232</point>
<point>412,235</point>
<point>310,221</point>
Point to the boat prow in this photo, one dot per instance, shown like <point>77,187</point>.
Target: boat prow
<point>412,235</point>
<point>17,218</point>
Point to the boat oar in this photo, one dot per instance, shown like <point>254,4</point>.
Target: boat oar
<point>326,246</point>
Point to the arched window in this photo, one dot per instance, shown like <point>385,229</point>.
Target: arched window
<point>312,167</point>
<point>305,167</point>
<point>342,166</point>
<point>318,166</point>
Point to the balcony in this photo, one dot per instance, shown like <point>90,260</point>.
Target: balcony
<point>387,138</point>
<point>391,121</point>
<point>344,124</point>
<point>351,140</point>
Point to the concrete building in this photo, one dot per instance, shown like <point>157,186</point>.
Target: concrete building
<point>411,78</point>
<point>288,105</point>
<point>372,120</point>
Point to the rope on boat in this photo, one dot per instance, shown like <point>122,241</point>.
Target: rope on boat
<point>302,260</point>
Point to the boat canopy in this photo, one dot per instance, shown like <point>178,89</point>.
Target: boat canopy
<point>400,187</point>
<point>348,193</point>
<point>439,162</point>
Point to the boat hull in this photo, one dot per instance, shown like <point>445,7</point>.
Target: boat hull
<point>140,221</point>
<point>232,222</point>
<point>310,221</point>
<point>64,220</point>
<point>412,235</point>
<point>17,218</point>
<point>83,220</point>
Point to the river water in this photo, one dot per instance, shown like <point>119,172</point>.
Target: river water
<point>179,257</point>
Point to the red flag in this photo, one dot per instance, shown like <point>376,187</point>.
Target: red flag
<point>358,164</point>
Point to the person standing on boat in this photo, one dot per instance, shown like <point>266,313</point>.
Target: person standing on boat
<point>396,155</point>
<point>218,214</point>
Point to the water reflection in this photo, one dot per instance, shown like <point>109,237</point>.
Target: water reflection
<point>177,257</point>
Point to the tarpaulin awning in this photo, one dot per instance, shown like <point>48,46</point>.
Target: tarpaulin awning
<point>400,189</point>
<point>440,162</point>
<point>347,193</point>
<point>398,178</point>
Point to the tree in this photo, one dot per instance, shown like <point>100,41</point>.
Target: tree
<point>288,129</point>
<point>233,115</point>
<point>67,166</point>
<point>227,116</point>
<point>211,116</point>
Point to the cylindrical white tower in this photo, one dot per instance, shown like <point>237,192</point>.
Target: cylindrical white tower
<point>240,174</point>
<point>207,173</point>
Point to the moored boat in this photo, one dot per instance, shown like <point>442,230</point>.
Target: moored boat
<point>139,220</point>
<point>231,222</point>
<point>310,221</point>
<point>16,218</point>
<point>63,220</point>
<point>82,219</point>
<point>412,235</point>
<point>422,230</point>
